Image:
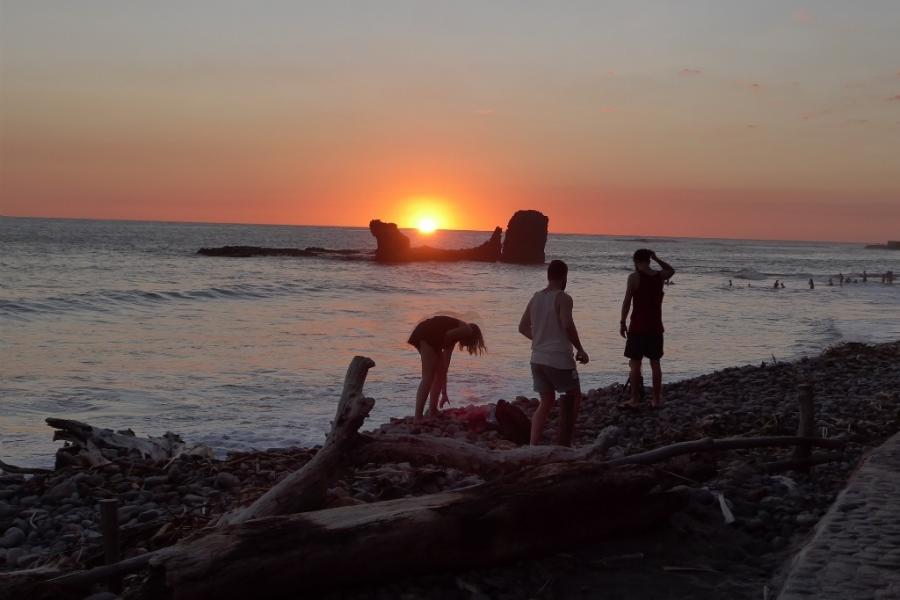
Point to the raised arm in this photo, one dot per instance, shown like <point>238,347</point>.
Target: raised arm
<point>626,303</point>
<point>568,324</point>
<point>667,269</point>
<point>525,322</point>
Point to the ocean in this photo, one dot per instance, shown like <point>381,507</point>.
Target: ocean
<point>123,325</point>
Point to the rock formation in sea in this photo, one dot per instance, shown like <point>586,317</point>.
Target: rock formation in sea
<point>525,240</point>
<point>526,237</point>
<point>394,246</point>
<point>248,251</point>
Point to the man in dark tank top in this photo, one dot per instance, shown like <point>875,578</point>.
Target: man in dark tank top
<point>643,297</point>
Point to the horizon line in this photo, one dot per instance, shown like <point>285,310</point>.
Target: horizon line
<point>636,235</point>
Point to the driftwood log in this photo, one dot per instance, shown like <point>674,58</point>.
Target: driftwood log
<point>305,488</point>
<point>90,446</point>
<point>429,450</point>
<point>548,508</point>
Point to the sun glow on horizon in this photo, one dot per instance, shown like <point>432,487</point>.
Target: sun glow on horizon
<point>427,214</point>
<point>427,225</point>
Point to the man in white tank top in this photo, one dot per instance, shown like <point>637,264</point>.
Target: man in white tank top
<point>547,322</point>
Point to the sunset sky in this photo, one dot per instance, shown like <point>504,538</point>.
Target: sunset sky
<point>742,119</point>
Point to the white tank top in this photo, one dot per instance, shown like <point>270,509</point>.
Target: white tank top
<point>549,345</point>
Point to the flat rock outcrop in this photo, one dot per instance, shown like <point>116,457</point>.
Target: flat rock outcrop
<point>248,251</point>
<point>526,237</point>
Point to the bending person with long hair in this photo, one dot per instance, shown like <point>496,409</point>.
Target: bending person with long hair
<point>435,339</point>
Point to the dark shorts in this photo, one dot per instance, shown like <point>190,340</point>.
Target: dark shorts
<point>640,345</point>
<point>551,379</point>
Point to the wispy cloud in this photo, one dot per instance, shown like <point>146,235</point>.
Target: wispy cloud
<point>608,109</point>
<point>895,98</point>
<point>756,87</point>
<point>484,112</point>
<point>690,72</point>
<point>802,16</point>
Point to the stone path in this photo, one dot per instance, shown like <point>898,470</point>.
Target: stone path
<point>855,552</point>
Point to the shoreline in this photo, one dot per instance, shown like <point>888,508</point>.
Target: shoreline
<point>53,518</point>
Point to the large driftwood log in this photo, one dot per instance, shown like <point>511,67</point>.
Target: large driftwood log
<point>91,446</point>
<point>548,508</point>
<point>305,488</point>
<point>429,450</point>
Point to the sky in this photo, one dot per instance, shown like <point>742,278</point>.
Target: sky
<point>763,120</point>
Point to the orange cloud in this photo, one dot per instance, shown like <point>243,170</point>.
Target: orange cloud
<point>690,72</point>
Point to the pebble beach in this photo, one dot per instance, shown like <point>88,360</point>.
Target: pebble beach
<point>51,519</point>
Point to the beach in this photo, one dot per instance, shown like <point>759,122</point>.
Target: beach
<point>51,520</point>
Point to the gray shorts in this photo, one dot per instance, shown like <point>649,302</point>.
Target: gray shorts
<point>550,379</point>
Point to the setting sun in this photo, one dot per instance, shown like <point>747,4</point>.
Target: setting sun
<point>427,225</point>
<point>427,214</point>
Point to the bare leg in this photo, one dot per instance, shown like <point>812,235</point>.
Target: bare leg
<point>569,404</point>
<point>636,383</point>
<point>657,382</point>
<point>429,364</point>
<point>435,394</point>
<point>540,416</point>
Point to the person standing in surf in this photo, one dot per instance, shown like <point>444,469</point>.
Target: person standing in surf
<point>644,337</point>
<point>435,338</point>
<point>547,322</point>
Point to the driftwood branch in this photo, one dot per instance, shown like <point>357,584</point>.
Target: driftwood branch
<point>91,446</point>
<point>550,507</point>
<point>424,450</point>
<point>305,488</point>
<point>712,445</point>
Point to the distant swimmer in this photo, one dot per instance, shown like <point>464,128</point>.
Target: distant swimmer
<point>830,281</point>
<point>840,279</point>
<point>865,276</point>
<point>730,284</point>
<point>812,285</point>
<point>776,284</point>
<point>782,285</point>
<point>435,339</point>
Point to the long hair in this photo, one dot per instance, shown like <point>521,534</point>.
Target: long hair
<point>475,343</point>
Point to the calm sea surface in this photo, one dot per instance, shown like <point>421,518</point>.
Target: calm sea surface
<point>122,324</point>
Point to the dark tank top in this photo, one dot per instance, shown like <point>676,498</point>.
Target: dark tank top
<point>646,311</point>
<point>432,331</point>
